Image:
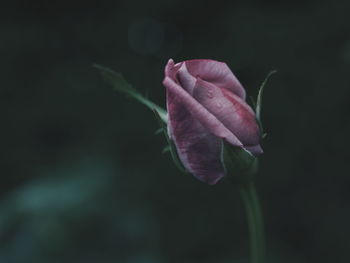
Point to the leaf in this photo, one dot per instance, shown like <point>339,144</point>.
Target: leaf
<point>171,146</point>
<point>240,165</point>
<point>120,84</point>
<point>259,99</point>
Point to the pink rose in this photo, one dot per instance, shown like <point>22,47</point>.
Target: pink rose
<point>206,103</point>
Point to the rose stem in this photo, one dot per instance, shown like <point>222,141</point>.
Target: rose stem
<point>255,222</point>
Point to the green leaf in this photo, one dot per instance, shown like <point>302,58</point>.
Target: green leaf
<point>171,146</point>
<point>259,99</point>
<point>121,85</point>
<point>240,165</point>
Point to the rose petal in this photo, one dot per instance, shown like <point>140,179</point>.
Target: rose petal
<point>198,149</point>
<point>234,113</point>
<point>208,120</point>
<point>171,69</point>
<point>217,73</point>
<point>187,81</point>
<point>255,150</point>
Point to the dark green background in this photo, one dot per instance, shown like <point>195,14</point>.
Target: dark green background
<point>83,178</point>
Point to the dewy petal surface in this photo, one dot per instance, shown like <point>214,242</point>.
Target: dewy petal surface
<point>234,113</point>
<point>217,73</point>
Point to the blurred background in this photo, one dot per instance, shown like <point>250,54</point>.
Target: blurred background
<point>83,178</point>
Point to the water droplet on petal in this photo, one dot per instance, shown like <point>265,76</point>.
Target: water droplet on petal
<point>210,94</point>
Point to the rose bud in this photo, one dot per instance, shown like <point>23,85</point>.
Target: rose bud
<point>207,111</point>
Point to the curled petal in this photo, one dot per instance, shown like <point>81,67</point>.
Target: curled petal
<point>234,113</point>
<point>217,73</point>
<point>198,149</point>
<point>204,117</point>
<point>187,81</point>
<point>171,69</point>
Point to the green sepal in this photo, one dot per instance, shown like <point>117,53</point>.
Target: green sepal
<point>158,131</point>
<point>121,85</point>
<point>240,165</point>
<point>171,146</point>
<point>166,149</point>
<point>259,99</point>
